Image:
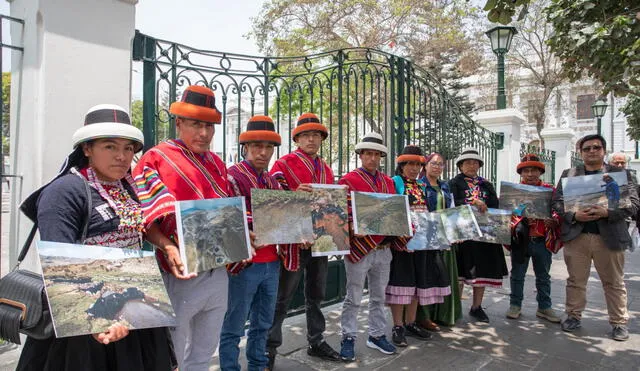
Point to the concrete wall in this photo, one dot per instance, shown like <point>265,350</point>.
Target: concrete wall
<point>76,54</point>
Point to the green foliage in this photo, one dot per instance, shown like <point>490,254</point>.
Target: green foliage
<point>599,38</point>
<point>136,113</point>
<point>632,112</point>
<point>502,11</point>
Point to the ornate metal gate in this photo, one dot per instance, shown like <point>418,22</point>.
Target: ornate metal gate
<point>352,90</point>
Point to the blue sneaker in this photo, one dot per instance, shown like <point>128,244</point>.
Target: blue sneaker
<point>382,344</point>
<point>347,349</point>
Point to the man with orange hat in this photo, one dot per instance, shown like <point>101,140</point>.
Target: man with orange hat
<point>295,171</point>
<point>253,288</point>
<point>535,240</point>
<point>176,170</point>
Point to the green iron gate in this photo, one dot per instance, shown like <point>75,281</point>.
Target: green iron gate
<point>353,91</point>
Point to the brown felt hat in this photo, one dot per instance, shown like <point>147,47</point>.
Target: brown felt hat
<point>309,122</point>
<point>197,103</point>
<point>260,128</point>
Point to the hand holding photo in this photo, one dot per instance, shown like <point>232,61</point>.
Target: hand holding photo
<point>380,214</point>
<point>281,217</point>
<point>495,225</point>
<point>330,217</point>
<point>460,224</point>
<point>526,200</point>
<point>428,232</point>
<point>609,190</point>
<point>90,288</point>
<point>212,233</point>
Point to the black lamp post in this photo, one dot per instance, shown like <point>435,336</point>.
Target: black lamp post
<point>501,37</point>
<point>598,109</point>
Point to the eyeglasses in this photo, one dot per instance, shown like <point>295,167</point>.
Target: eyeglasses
<point>591,148</point>
<point>436,164</point>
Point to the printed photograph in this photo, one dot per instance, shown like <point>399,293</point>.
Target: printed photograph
<point>526,200</point>
<point>608,189</point>
<point>460,224</point>
<point>495,225</point>
<point>330,217</point>
<point>212,233</point>
<point>281,217</point>
<point>428,232</point>
<point>90,288</point>
<point>380,214</point>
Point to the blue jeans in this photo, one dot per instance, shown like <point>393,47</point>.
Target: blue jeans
<point>541,265</point>
<point>252,295</point>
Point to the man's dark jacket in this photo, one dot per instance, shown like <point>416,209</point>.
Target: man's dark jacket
<point>614,229</point>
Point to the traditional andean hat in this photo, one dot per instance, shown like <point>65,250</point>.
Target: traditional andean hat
<point>469,154</point>
<point>372,141</point>
<point>108,121</point>
<point>530,160</point>
<point>309,122</point>
<point>411,153</point>
<point>197,103</point>
<point>260,128</point>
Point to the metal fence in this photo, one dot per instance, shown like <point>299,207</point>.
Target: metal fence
<point>547,157</point>
<point>353,91</point>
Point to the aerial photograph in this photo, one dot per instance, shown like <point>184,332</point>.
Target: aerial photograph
<point>212,233</point>
<point>495,225</point>
<point>527,200</point>
<point>381,214</point>
<point>281,217</point>
<point>90,288</point>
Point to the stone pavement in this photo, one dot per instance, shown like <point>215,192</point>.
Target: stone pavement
<point>525,344</point>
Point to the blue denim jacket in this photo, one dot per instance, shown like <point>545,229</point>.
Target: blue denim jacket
<point>432,194</point>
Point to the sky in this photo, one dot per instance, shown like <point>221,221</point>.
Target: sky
<point>218,25</point>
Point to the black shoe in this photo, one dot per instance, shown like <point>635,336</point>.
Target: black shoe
<point>272,361</point>
<point>479,314</point>
<point>414,330</point>
<point>397,336</point>
<point>570,324</point>
<point>620,333</point>
<point>324,351</point>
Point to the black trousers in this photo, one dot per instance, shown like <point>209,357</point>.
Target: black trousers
<point>315,284</point>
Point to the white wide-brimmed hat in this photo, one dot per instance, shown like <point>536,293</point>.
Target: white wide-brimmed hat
<point>108,121</point>
<point>469,154</point>
<point>372,141</point>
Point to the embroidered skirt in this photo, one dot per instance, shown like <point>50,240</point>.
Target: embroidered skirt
<point>481,264</point>
<point>420,275</point>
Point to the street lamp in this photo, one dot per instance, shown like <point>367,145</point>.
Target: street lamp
<point>598,109</point>
<point>501,37</point>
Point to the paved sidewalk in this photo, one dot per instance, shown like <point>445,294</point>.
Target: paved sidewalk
<point>525,344</point>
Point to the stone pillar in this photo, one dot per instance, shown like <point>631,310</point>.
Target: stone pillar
<point>634,164</point>
<point>76,54</point>
<point>508,122</point>
<point>559,140</point>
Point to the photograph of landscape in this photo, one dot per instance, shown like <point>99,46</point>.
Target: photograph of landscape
<point>212,233</point>
<point>428,232</point>
<point>380,214</point>
<point>608,189</point>
<point>529,201</point>
<point>90,288</point>
<point>330,217</point>
<point>495,225</point>
<point>460,224</point>
<point>281,217</point>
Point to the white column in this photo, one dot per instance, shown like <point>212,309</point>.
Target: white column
<point>508,122</point>
<point>559,140</point>
<point>634,164</point>
<point>76,54</point>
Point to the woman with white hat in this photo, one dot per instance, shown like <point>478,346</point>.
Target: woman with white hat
<point>96,173</point>
<point>480,264</point>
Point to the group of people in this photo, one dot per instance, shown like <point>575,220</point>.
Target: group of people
<point>422,288</point>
